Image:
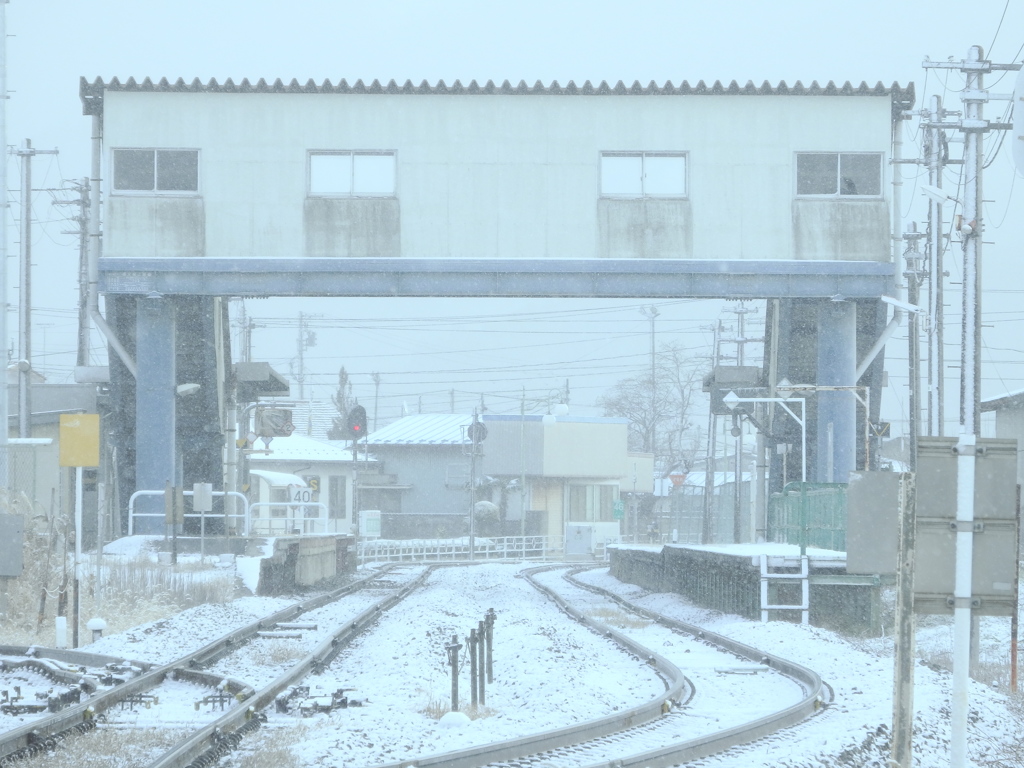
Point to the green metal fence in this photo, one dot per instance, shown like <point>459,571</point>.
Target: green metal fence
<point>809,515</point>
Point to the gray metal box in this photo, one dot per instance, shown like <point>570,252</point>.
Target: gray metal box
<point>872,523</point>
<point>12,537</point>
<point>995,539</point>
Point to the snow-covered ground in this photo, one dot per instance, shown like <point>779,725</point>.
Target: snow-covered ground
<point>854,730</point>
<point>550,672</point>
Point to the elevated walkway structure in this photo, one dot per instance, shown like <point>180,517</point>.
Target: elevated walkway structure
<point>508,278</point>
<point>159,284</point>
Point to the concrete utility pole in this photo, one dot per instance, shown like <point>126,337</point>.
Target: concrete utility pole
<point>740,341</point>
<point>651,313</point>
<point>82,219</point>
<point>376,397</point>
<point>914,275</point>
<point>709,474</point>
<point>26,153</point>
<point>935,147</point>
<point>522,469</point>
<point>970,226</point>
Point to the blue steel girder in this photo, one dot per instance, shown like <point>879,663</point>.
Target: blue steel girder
<point>578,278</point>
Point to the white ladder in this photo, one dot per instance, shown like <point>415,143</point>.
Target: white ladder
<point>805,590</point>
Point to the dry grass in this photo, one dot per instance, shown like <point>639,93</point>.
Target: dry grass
<point>435,709</point>
<point>616,618</point>
<point>134,592</point>
<point>270,748</point>
<point>276,652</point>
<point>108,748</point>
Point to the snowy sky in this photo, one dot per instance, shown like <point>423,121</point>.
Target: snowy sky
<point>593,343</point>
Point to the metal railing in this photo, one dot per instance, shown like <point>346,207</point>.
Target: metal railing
<point>485,548</point>
<point>202,516</point>
<point>292,523</point>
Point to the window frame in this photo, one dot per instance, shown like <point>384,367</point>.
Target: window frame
<point>353,153</point>
<point>838,195</point>
<point>592,491</point>
<point>643,155</point>
<point>197,192</point>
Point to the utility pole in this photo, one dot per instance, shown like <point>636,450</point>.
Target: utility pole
<point>651,313</point>
<point>301,377</point>
<point>914,276</point>
<point>82,219</point>
<point>741,341</point>
<point>522,470</point>
<point>971,227</point>
<point>709,474</point>
<point>26,153</point>
<point>376,397</point>
<point>935,148</point>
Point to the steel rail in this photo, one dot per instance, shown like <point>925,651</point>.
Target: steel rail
<point>17,740</point>
<point>816,694</point>
<point>678,689</point>
<point>679,752</point>
<point>215,739</point>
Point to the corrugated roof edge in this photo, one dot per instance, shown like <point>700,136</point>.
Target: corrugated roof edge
<point>92,93</point>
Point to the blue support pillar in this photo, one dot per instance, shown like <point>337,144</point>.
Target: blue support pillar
<point>837,411</point>
<point>155,450</point>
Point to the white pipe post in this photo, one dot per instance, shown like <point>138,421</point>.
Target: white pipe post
<point>78,553</point>
<point>3,229</point>
<point>25,296</point>
<point>962,600</point>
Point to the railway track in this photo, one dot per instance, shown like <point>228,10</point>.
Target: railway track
<point>670,733</point>
<point>137,681</point>
<point>814,697</point>
<point>670,729</point>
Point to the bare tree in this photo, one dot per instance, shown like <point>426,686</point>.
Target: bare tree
<point>343,402</point>
<point>677,378</point>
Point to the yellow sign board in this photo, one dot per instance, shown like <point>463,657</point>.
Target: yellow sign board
<point>79,440</point>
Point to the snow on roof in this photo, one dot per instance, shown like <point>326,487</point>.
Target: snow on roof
<point>698,479</point>
<point>278,479</point>
<point>314,418</point>
<point>1013,399</point>
<point>424,429</point>
<point>298,447</point>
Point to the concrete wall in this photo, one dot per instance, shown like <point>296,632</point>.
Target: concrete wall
<point>513,446</point>
<point>496,176</point>
<point>731,584</point>
<point>585,450</point>
<point>303,561</point>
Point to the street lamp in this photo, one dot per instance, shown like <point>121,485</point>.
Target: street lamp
<point>731,400</point>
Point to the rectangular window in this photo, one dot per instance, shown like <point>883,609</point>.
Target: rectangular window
<point>591,503</point>
<point>336,496</point>
<point>839,174</point>
<point>156,170</point>
<point>643,174</point>
<point>352,174</point>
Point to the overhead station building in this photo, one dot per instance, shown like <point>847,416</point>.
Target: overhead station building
<point>220,189</point>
